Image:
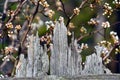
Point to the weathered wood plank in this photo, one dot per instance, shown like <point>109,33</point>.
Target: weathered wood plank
<point>30,58</point>
<point>59,50</point>
<point>94,65</point>
<point>37,62</point>
<point>21,68</point>
<point>65,61</point>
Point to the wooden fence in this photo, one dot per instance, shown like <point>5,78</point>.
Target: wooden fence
<point>64,60</point>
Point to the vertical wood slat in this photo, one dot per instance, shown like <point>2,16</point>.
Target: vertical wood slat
<point>37,62</point>
<point>65,61</point>
<point>94,64</point>
<point>30,58</point>
<point>60,46</point>
<point>21,68</point>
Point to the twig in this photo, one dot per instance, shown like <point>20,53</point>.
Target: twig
<point>5,61</point>
<point>88,34</point>
<point>64,9</point>
<point>118,22</point>
<point>97,31</point>
<point>73,15</point>
<point>111,50</point>
<point>13,0</point>
<point>109,53</point>
<point>5,6</point>
<point>29,24</point>
<point>91,33</point>
<point>14,13</point>
<point>3,28</point>
<point>17,11</point>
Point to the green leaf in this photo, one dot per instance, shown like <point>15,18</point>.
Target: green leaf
<point>42,30</point>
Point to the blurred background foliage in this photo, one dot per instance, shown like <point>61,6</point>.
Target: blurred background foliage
<point>80,20</point>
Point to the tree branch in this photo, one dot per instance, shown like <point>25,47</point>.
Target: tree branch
<point>73,15</point>
<point>88,34</point>
<point>97,31</point>
<point>5,6</point>
<point>64,9</point>
<point>13,0</point>
<point>17,11</point>
<point>29,24</point>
